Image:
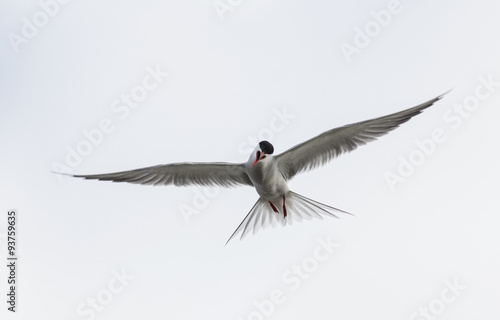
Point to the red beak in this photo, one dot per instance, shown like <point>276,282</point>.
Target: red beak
<point>259,156</point>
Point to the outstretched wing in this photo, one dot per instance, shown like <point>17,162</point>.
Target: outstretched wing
<point>181,174</point>
<point>328,145</point>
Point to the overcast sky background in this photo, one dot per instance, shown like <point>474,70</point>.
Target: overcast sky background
<point>229,75</point>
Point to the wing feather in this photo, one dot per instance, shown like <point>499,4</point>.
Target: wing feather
<point>181,174</point>
<point>330,144</point>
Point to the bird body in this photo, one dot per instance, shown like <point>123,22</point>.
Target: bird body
<point>266,177</point>
<point>269,174</point>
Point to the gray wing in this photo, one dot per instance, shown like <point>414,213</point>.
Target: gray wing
<point>328,145</point>
<point>181,174</point>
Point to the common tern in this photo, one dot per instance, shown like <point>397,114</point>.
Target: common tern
<point>269,174</point>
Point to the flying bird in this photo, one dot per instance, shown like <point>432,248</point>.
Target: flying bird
<point>269,173</point>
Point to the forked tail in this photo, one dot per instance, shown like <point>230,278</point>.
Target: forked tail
<point>298,208</point>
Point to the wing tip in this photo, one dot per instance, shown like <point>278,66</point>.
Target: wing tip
<point>64,174</point>
<point>443,94</point>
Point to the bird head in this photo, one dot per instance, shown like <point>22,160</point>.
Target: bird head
<point>262,150</point>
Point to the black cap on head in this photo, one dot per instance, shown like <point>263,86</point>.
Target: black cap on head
<point>266,147</point>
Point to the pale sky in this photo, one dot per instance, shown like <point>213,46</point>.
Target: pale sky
<point>93,87</point>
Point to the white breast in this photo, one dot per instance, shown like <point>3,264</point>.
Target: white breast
<point>267,179</point>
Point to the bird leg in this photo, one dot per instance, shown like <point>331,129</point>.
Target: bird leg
<point>284,207</point>
<point>273,206</point>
